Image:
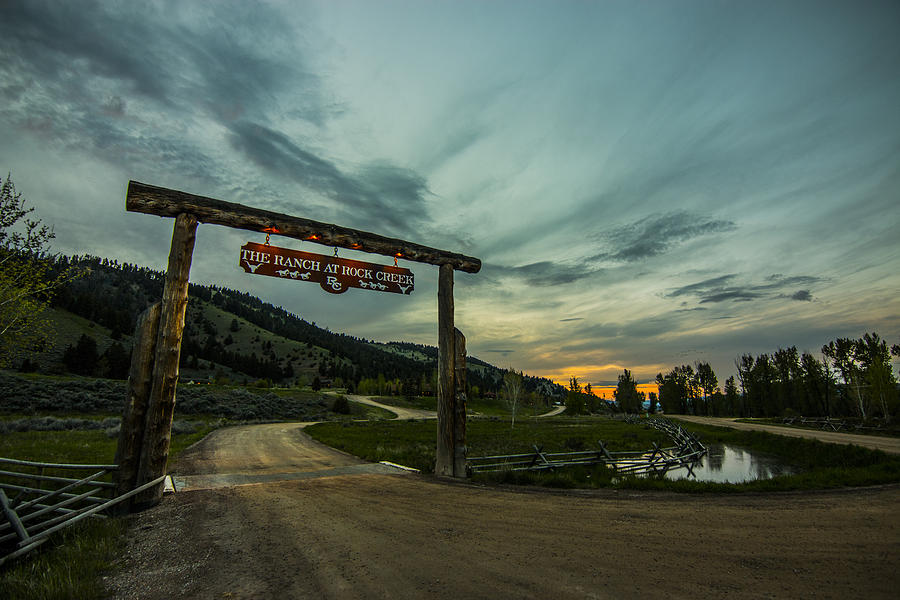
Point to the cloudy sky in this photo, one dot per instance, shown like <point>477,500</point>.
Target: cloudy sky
<point>647,183</point>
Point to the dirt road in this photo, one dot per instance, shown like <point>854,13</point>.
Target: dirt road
<point>558,410</point>
<point>887,444</point>
<point>263,454</point>
<point>375,535</point>
<point>402,413</point>
<point>415,413</point>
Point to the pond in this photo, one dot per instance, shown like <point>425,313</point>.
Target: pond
<point>730,464</point>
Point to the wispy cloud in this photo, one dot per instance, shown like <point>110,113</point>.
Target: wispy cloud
<point>726,288</point>
<point>70,74</point>
<point>543,273</point>
<point>380,195</point>
<point>702,286</point>
<point>189,76</point>
<point>657,234</point>
<point>801,296</point>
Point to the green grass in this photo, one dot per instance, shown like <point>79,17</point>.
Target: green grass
<point>497,408</point>
<point>72,568</point>
<point>412,443</point>
<point>304,358</point>
<point>88,447</point>
<point>91,447</point>
<point>817,465</point>
<point>71,564</point>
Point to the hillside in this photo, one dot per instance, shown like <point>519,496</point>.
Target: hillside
<point>232,335</point>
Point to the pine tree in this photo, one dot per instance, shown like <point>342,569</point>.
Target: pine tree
<point>626,393</point>
<point>83,358</point>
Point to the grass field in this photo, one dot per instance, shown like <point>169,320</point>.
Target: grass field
<point>817,465</point>
<point>412,443</point>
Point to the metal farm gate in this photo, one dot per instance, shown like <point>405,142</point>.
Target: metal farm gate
<point>37,504</point>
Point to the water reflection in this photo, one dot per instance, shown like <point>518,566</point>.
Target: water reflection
<point>728,464</point>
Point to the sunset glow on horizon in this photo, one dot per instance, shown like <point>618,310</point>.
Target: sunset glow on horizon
<point>606,391</point>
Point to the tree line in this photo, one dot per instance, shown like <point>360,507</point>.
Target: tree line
<point>853,378</point>
<point>580,398</point>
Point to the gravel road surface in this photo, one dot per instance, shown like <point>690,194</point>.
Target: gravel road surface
<point>875,442</point>
<point>305,530</point>
<point>402,413</point>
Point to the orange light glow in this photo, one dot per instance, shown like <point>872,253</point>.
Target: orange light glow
<point>271,230</point>
<point>313,237</point>
<point>606,391</point>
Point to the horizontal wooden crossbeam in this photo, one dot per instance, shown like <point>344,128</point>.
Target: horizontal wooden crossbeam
<point>164,202</point>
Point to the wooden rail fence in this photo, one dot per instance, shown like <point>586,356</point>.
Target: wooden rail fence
<point>685,452</point>
<point>829,424</point>
<point>36,505</point>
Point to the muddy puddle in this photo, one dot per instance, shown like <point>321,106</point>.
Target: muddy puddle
<point>730,464</point>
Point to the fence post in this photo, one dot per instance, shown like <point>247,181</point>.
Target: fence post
<point>134,415</point>
<point>444,454</point>
<point>459,408</point>
<point>161,404</point>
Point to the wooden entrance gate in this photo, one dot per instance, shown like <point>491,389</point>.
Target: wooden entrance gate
<point>147,419</point>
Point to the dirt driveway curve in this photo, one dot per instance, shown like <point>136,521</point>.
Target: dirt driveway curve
<point>874,442</point>
<point>304,529</point>
<point>403,414</point>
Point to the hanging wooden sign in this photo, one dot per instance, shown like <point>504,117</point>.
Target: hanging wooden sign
<point>333,274</point>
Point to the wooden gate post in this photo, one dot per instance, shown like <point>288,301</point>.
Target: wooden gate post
<point>446,398</point>
<point>134,415</point>
<point>161,404</point>
<point>459,408</point>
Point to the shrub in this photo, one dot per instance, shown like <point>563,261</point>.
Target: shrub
<point>341,405</point>
<point>35,395</point>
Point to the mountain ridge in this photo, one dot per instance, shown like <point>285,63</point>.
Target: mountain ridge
<point>235,335</point>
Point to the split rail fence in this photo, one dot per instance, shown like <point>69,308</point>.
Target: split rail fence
<point>829,424</point>
<point>685,453</point>
<point>35,504</point>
